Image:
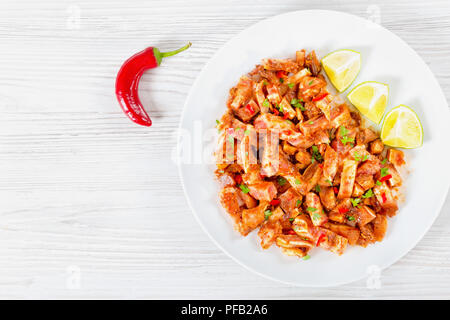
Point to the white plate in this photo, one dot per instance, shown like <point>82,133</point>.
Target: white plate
<point>385,58</point>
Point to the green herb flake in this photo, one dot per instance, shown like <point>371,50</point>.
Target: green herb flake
<point>231,139</point>
<point>298,203</point>
<point>384,172</point>
<point>297,181</point>
<point>307,257</point>
<point>296,103</point>
<point>329,182</point>
<point>368,194</point>
<point>267,214</point>
<point>265,83</point>
<point>384,161</point>
<point>311,82</point>
<point>311,209</point>
<point>357,156</point>
<point>247,132</point>
<point>316,216</point>
<point>217,122</point>
<point>281,181</point>
<point>365,158</point>
<point>291,219</point>
<point>317,188</point>
<point>316,154</point>
<point>378,183</point>
<point>290,85</point>
<point>266,103</point>
<point>281,80</point>
<point>244,188</point>
<point>350,218</point>
<point>355,202</point>
<point>346,139</point>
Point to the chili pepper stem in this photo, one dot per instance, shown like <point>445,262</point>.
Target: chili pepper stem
<point>159,55</point>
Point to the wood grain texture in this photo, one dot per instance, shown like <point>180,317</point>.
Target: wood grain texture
<point>84,189</point>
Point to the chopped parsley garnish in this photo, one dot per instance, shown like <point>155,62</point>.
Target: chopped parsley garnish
<point>368,194</point>
<point>298,203</point>
<point>306,257</point>
<point>384,161</point>
<point>247,132</point>
<point>281,80</point>
<point>310,83</point>
<point>291,85</point>
<point>297,104</point>
<point>329,182</point>
<point>317,188</point>
<point>384,172</point>
<point>217,122</point>
<point>378,183</point>
<point>316,154</point>
<point>266,103</point>
<point>244,188</point>
<point>297,181</point>
<point>265,83</point>
<point>267,214</point>
<point>358,157</point>
<point>345,138</point>
<point>355,202</point>
<point>291,219</point>
<point>311,122</point>
<point>311,209</point>
<point>350,218</point>
<point>281,181</point>
<point>316,216</point>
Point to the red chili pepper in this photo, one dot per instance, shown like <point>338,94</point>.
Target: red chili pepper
<point>343,210</point>
<point>276,112</point>
<point>275,202</point>
<point>127,81</point>
<point>250,108</point>
<point>287,132</point>
<point>383,196</point>
<point>291,232</point>
<point>321,165</point>
<point>285,115</point>
<point>386,178</point>
<point>320,96</point>
<point>335,189</point>
<point>320,239</point>
<point>238,179</point>
<point>281,74</point>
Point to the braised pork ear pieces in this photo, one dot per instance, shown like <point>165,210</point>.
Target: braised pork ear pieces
<point>295,162</point>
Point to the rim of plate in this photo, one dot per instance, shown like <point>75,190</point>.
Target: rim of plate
<point>387,263</point>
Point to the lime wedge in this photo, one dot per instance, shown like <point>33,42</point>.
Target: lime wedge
<point>402,128</point>
<point>370,98</point>
<point>342,67</point>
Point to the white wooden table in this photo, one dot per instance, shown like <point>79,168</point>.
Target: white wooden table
<point>91,205</point>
